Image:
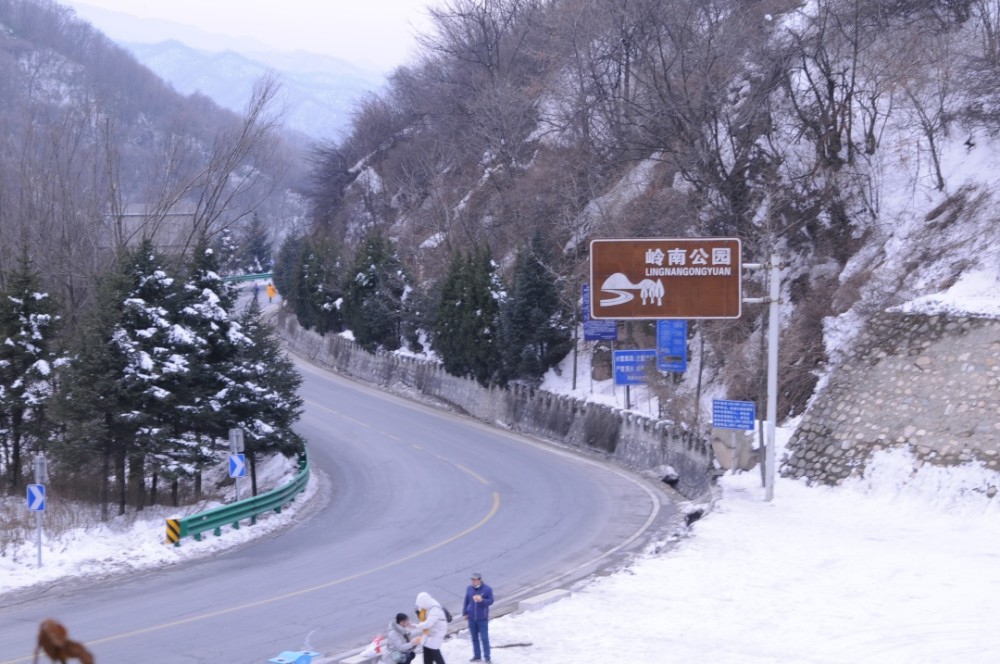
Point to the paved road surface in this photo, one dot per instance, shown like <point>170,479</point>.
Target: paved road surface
<point>413,499</point>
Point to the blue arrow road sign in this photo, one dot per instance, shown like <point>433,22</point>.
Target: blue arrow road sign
<point>36,497</point>
<point>237,465</point>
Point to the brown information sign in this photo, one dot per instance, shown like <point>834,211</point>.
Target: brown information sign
<point>666,278</point>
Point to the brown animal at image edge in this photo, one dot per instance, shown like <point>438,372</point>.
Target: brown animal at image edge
<point>55,641</point>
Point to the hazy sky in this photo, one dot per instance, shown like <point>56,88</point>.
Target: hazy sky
<point>380,32</point>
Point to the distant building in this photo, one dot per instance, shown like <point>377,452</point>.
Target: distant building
<point>170,229</point>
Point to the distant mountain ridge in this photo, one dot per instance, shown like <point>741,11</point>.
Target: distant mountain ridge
<point>318,91</point>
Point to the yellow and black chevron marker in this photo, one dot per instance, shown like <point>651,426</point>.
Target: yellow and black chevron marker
<point>173,531</point>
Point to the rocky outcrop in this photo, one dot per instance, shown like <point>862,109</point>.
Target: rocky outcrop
<point>929,383</point>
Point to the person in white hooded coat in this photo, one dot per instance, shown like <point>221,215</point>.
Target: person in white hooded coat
<point>434,626</point>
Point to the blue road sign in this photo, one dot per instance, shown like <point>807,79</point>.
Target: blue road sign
<point>36,497</point>
<point>237,465</point>
<point>596,330</point>
<point>671,345</point>
<point>733,414</point>
<point>630,365</point>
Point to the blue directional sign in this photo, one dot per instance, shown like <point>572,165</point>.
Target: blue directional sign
<point>596,330</point>
<point>671,345</point>
<point>733,414</point>
<point>630,365</point>
<point>237,465</point>
<point>36,497</point>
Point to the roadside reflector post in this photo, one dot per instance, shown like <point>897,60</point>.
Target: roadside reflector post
<point>174,532</point>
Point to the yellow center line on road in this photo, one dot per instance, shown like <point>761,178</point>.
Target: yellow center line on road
<point>473,473</point>
<point>297,593</point>
<point>338,414</point>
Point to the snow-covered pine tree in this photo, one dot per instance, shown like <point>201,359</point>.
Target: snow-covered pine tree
<point>262,394</point>
<point>206,309</point>
<point>28,325</point>
<point>158,352</point>
<point>255,252</point>
<point>226,251</point>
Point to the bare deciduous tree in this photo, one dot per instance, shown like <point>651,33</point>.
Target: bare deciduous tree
<point>242,170</point>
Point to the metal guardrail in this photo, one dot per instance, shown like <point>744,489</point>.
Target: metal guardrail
<point>249,277</point>
<point>248,508</point>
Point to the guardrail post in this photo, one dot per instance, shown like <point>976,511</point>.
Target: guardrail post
<point>174,532</point>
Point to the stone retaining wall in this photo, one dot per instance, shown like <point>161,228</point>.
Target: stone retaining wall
<point>929,383</point>
<point>635,441</point>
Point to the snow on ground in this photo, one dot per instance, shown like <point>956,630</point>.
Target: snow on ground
<point>133,542</point>
<point>903,570</point>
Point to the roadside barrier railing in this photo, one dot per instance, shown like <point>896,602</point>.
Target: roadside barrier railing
<point>248,508</point>
<point>249,277</point>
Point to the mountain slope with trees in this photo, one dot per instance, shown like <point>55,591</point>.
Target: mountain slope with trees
<point>123,354</point>
<point>96,152</point>
<point>805,129</point>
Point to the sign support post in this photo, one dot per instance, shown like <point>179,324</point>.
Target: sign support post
<point>774,295</point>
<point>236,448</point>
<point>40,473</point>
<point>773,300</point>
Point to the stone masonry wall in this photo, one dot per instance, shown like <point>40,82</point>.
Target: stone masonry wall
<point>635,441</point>
<point>929,383</point>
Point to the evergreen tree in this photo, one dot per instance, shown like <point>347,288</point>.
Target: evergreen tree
<point>373,295</point>
<point>262,393</point>
<point>159,353</point>
<point>467,329</point>
<point>288,270</point>
<point>92,403</point>
<point>309,276</point>
<point>205,310</point>
<point>486,296</point>
<point>28,323</point>
<point>227,252</point>
<point>321,291</point>
<point>448,330</point>
<point>255,250</point>
<point>535,324</point>
<point>419,316</point>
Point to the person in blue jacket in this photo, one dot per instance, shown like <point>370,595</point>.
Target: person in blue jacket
<point>478,599</point>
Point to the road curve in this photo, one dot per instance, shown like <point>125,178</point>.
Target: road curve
<point>412,498</point>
